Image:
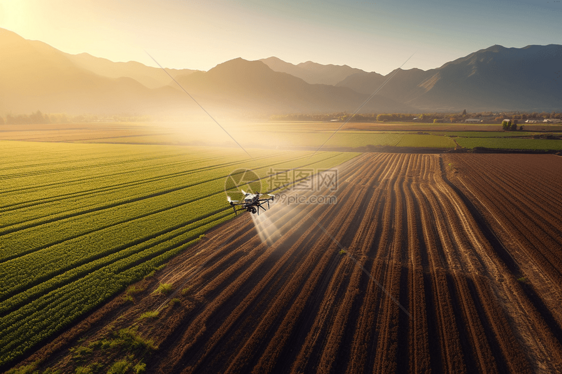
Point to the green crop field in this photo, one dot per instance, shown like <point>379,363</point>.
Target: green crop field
<point>430,141</point>
<point>506,143</point>
<point>397,140</point>
<point>355,139</point>
<point>484,134</point>
<point>82,221</point>
<point>311,139</point>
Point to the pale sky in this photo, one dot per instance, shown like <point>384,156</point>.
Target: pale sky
<point>370,35</point>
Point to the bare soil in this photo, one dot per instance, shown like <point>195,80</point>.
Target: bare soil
<point>415,269</point>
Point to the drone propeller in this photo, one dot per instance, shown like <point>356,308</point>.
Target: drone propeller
<point>230,201</point>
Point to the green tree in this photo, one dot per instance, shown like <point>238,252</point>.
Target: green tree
<point>384,117</point>
<point>506,125</point>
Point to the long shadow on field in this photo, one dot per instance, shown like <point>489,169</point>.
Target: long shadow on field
<point>507,259</point>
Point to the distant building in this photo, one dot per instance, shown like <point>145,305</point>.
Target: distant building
<point>552,120</point>
<point>473,120</point>
<point>531,121</point>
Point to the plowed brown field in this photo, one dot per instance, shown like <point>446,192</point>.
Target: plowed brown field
<point>425,284</point>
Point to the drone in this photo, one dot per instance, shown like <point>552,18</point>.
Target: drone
<point>250,203</point>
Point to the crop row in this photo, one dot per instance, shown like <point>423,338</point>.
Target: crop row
<point>59,270</point>
<point>66,225</point>
<point>78,241</point>
<point>100,177</point>
<point>124,193</point>
<point>146,243</point>
<point>114,177</point>
<point>52,312</point>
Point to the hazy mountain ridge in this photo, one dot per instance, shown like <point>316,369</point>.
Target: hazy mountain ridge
<point>36,76</point>
<point>312,72</point>
<point>146,75</point>
<point>242,83</point>
<point>495,78</point>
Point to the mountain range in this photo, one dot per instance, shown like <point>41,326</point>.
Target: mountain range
<point>311,72</point>
<point>496,78</point>
<point>36,76</point>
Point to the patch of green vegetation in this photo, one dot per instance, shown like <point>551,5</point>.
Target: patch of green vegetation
<point>523,144</point>
<point>130,339</point>
<point>149,315</point>
<point>164,288</point>
<point>150,275</point>
<point>452,167</point>
<point>174,301</point>
<point>51,371</point>
<point>83,370</point>
<point>126,366</point>
<point>139,368</point>
<point>80,353</point>
<point>185,290</point>
<point>523,280</point>
<point>161,267</point>
<point>343,252</point>
<point>426,141</point>
<point>133,290</point>
<point>119,367</point>
<point>125,341</point>
<point>32,369</point>
<point>100,344</point>
<point>27,369</point>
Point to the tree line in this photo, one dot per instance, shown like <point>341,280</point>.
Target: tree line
<point>38,117</point>
<point>488,117</point>
<point>510,125</point>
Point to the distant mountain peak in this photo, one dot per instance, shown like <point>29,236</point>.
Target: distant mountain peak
<point>312,72</point>
<point>240,65</point>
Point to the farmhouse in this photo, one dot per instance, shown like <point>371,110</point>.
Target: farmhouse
<point>552,120</point>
